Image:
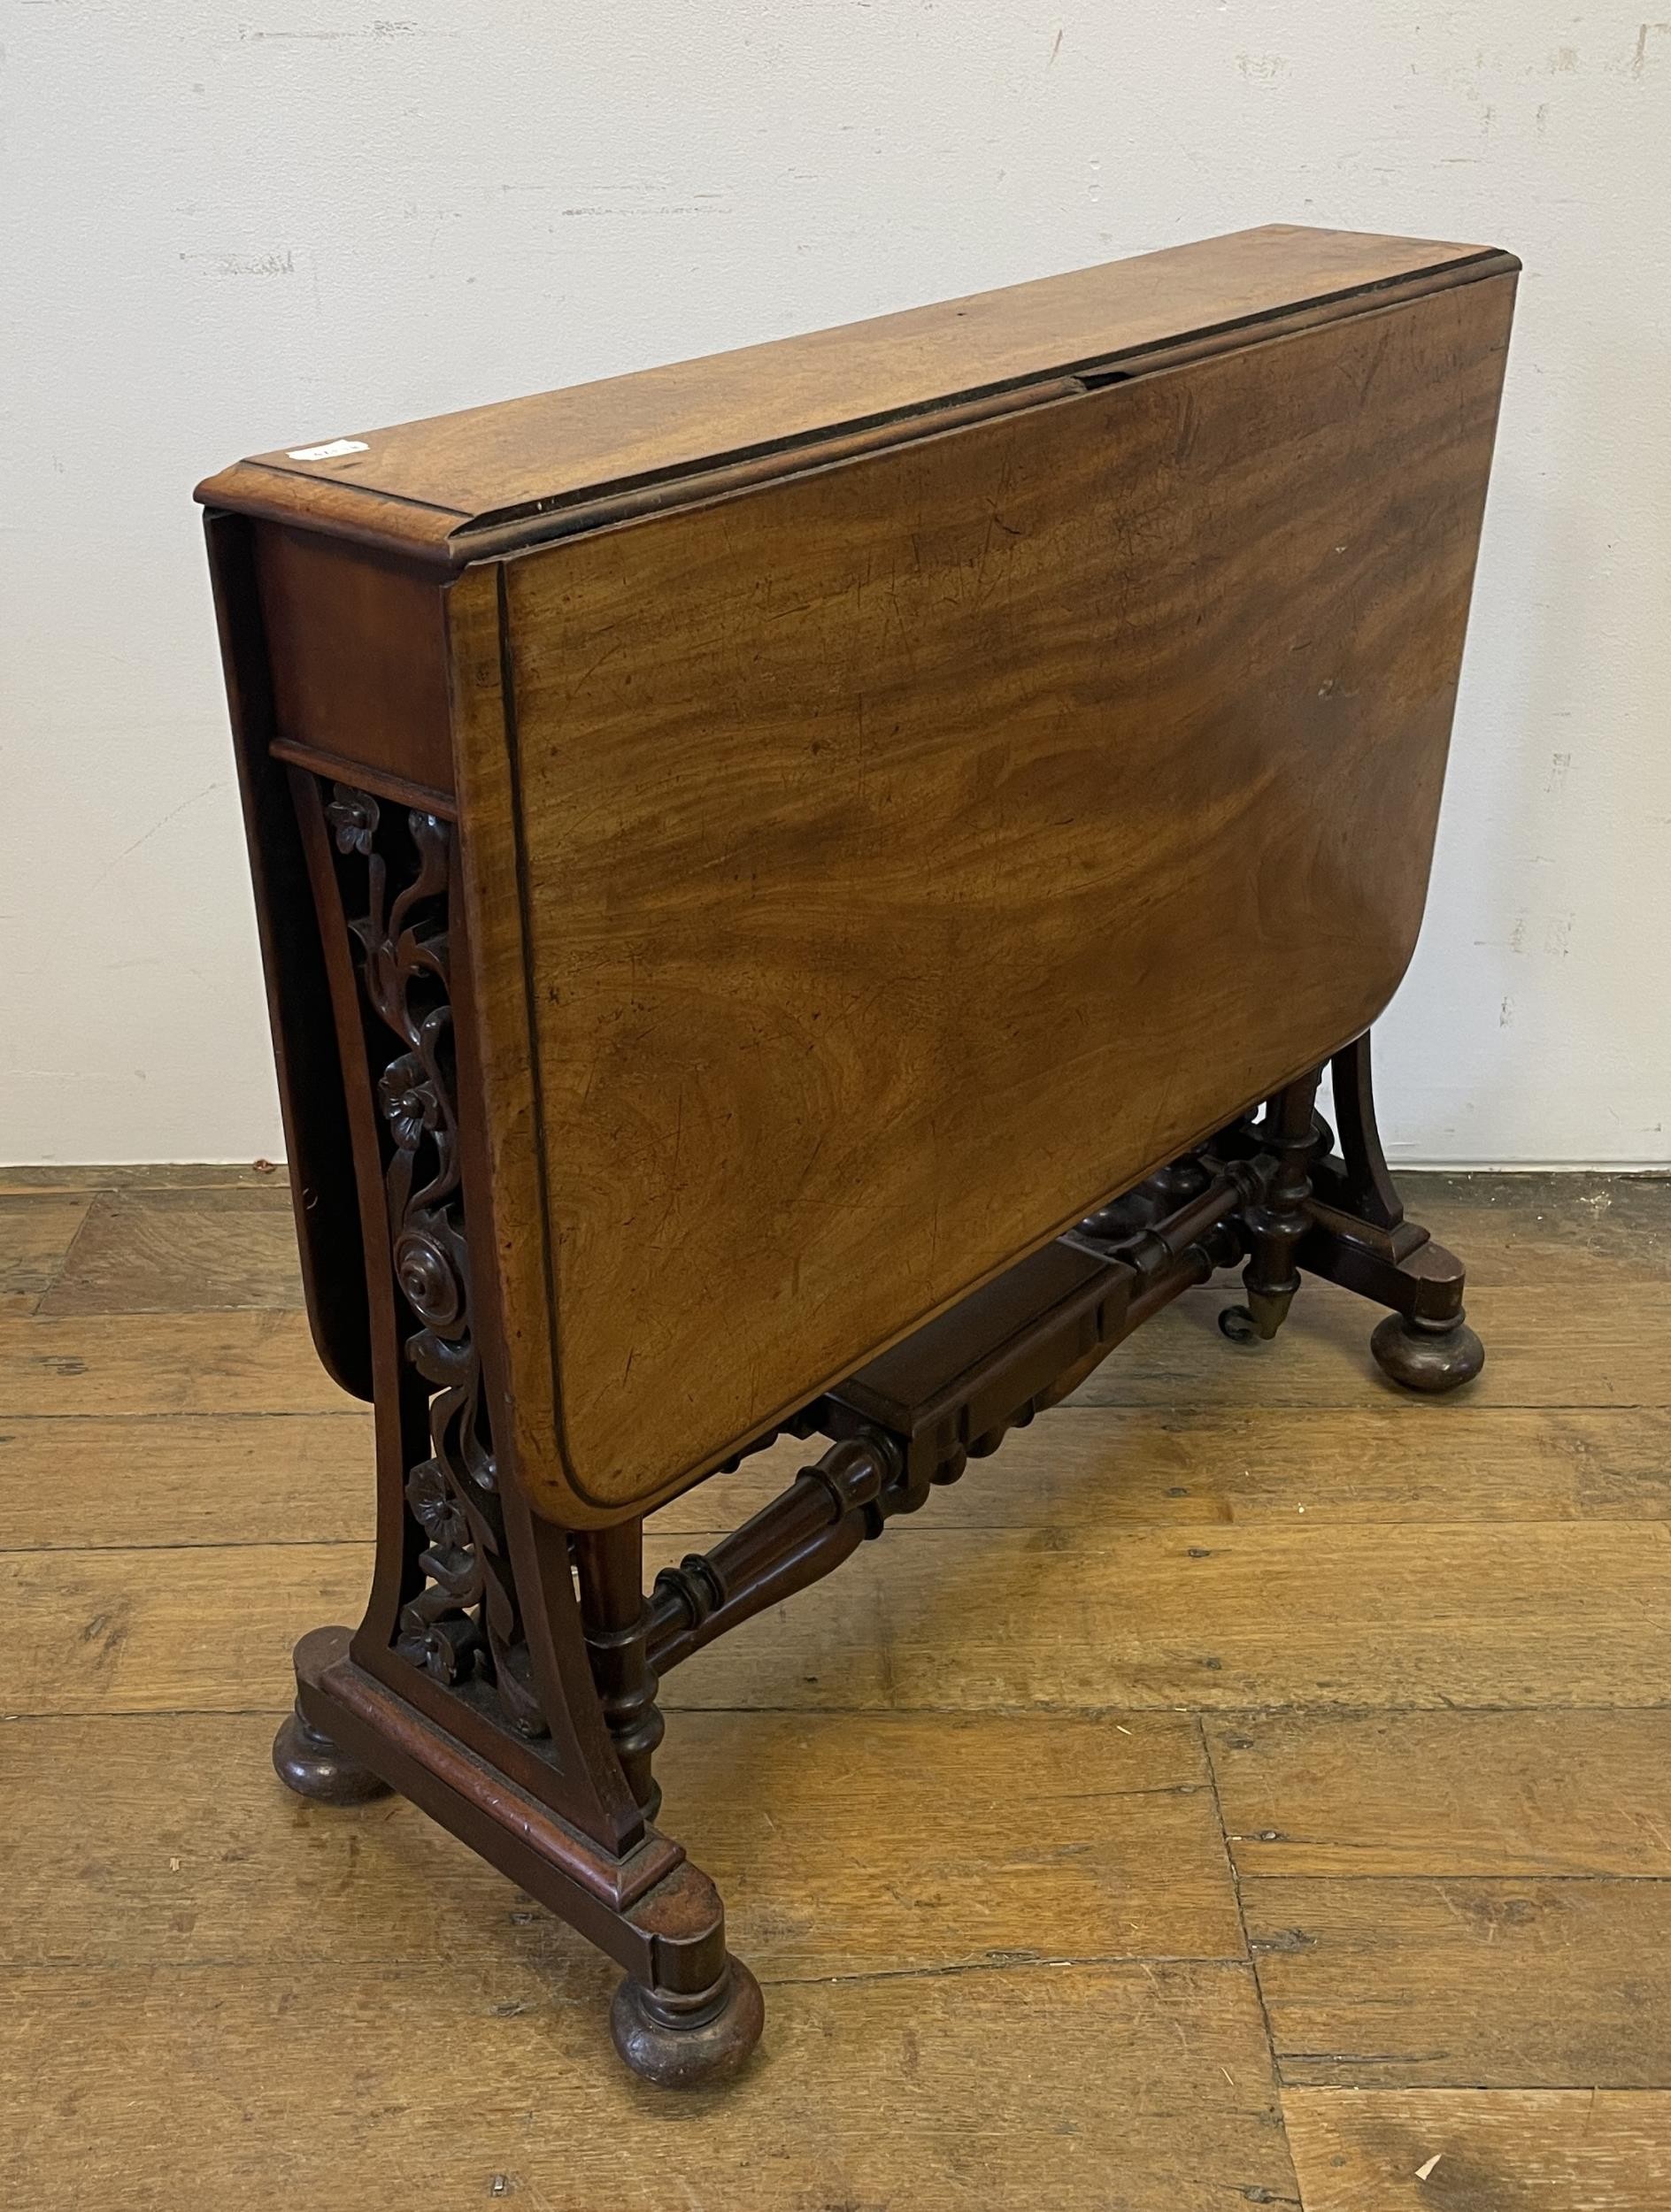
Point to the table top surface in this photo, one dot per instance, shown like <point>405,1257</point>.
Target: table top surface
<point>426,486</point>
<point>875,873</point>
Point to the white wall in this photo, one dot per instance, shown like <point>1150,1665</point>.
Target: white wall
<point>235,227</point>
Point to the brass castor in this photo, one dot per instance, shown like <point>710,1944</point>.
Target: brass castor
<point>1258,1320</point>
<point>685,2042</point>
<point>1423,1356</point>
<point>1238,1325</point>
<point>307,1761</point>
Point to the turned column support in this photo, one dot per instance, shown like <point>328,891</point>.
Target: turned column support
<point>1275,1223</point>
<point>615,1621</point>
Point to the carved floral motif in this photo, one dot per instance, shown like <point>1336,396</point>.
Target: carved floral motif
<point>463,1623</point>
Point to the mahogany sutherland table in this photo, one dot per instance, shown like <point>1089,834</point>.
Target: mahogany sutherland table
<point>809,892</point>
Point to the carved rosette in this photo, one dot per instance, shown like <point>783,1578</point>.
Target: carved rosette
<point>463,1623</point>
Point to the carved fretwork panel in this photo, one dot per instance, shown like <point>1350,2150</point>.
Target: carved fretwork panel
<point>461,1623</point>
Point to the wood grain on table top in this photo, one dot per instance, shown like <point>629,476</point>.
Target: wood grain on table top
<point>419,484</point>
<point>881,898</point>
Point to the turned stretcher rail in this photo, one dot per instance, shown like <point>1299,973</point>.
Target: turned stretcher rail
<point>803,1535</point>
<point>867,1477</point>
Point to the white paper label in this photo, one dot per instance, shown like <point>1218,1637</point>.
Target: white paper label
<point>329,452</point>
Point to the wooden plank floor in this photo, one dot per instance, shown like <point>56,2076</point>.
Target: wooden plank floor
<point>1251,1787</point>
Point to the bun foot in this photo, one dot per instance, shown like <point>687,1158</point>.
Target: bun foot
<point>1417,1355</point>
<point>683,2042</point>
<point>307,1761</point>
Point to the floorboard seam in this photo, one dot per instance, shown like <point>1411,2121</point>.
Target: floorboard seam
<point>1253,1968</point>
<point>811,1713</point>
